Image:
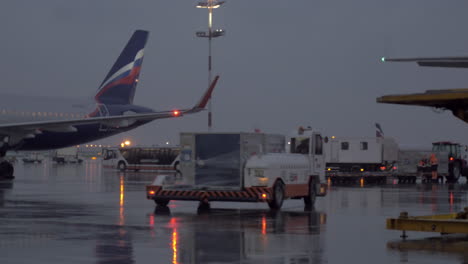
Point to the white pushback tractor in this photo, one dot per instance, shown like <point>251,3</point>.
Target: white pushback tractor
<point>244,167</point>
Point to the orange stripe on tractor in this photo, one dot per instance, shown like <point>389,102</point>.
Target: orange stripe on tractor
<point>252,194</point>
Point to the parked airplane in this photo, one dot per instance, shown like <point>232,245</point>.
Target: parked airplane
<point>455,100</point>
<point>39,123</point>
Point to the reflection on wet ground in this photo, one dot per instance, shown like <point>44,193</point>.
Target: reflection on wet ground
<point>83,214</point>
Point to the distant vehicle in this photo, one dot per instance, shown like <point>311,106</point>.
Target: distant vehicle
<point>33,157</point>
<point>457,156</point>
<point>67,155</point>
<point>141,158</point>
<point>244,167</point>
<point>41,123</point>
<point>413,163</point>
<point>356,157</point>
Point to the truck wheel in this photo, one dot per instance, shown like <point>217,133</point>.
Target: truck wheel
<point>121,166</point>
<point>162,202</point>
<point>455,173</point>
<point>278,196</point>
<point>310,200</point>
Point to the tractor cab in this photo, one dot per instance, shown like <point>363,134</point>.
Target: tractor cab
<point>454,149</point>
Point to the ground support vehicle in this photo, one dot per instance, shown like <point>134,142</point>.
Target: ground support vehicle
<point>444,224</point>
<point>409,169</point>
<point>367,159</point>
<point>142,158</point>
<point>244,167</point>
<point>457,155</point>
<point>33,157</point>
<point>67,155</point>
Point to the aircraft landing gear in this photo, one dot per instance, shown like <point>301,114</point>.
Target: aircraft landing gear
<point>6,168</point>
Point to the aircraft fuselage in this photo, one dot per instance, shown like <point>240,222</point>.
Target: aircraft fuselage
<point>18,109</point>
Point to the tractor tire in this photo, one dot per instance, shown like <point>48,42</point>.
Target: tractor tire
<point>310,199</point>
<point>278,196</point>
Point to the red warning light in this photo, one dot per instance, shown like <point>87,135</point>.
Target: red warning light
<point>451,158</point>
<point>175,113</point>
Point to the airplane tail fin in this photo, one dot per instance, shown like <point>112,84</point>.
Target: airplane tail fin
<point>120,83</point>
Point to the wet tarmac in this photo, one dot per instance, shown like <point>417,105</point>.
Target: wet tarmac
<point>84,214</point>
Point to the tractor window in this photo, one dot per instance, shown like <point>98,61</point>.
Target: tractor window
<point>344,145</point>
<point>303,146</point>
<point>292,145</point>
<point>318,145</point>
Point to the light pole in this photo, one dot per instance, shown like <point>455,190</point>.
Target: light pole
<point>210,34</point>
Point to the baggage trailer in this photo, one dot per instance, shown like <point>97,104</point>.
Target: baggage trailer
<point>409,169</point>
<point>244,167</point>
<point>368,159</point>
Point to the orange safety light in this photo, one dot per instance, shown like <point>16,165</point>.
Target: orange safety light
<point>383,168</point>
<point>264,195</point>
<point>151,192</point>
<point>451,158</point>
<point>175,113</point>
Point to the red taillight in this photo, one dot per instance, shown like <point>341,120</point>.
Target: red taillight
<point>175,113</point>
<point>451,158</point>
<point>382,167</point>
<point>394,167</point>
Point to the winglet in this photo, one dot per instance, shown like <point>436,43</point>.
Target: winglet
<point>206,96</point>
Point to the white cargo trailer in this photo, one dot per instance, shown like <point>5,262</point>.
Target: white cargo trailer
<point>360,157</point>
<point>251,167</point>
<point>67,155</point>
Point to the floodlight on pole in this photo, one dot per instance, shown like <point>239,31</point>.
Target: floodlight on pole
<point>210,34</point>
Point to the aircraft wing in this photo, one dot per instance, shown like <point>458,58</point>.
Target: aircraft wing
<point>447,99</point>
<point>28,129</point>
<point>449,62</point>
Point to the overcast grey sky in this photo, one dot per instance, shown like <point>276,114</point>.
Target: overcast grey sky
<point>282,63</point>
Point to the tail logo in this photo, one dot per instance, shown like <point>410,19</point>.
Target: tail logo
<point>127,75</point>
